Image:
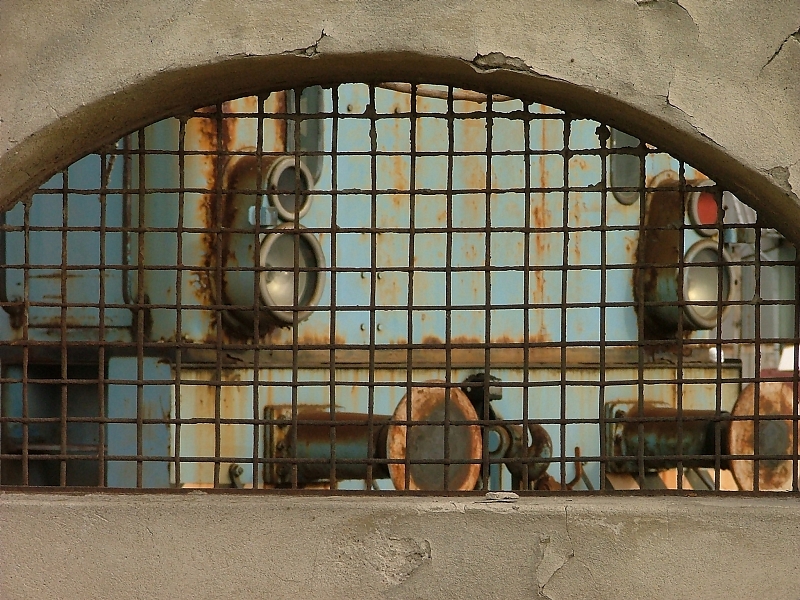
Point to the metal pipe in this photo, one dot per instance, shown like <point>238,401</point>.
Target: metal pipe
<point>310,448</point>
<point>655,434</point>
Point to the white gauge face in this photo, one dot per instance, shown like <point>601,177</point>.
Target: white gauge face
<point>280,284</point>
<point>290,184</point>
<point>287,254</point>
<point>706,283</point>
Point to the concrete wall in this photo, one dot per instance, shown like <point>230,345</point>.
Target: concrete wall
<point>718,82</point>
<point>215,546</point>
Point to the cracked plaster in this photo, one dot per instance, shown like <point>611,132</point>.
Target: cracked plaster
<point>718,80</point>
<point>206,545</point>
<point>697,68</point>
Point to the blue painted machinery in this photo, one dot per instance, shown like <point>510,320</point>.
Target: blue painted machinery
<point>408,286</point>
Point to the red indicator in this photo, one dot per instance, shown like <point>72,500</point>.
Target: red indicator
<point>707,210</point>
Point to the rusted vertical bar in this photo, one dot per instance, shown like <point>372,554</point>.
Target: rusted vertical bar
<point>603,135</point>
<point>333,267</point>
<point>412,205</point>
<point>220,123</point>
<point>298,92</point>
<point>63,332</point>
<point>26,207</point>
<point>259,201</point>
<point>641,342</point>
<point>567,154</point>
<point>796,376</point>
<point>526,292</point>
<point>127,190</point>
<point>718,344</point>
<point>179,297</point>
<point>373,149</point>
<point>140,302</point>
<point>679,334</point>
<point>758,227</point>
<point>105,173</point>
<point>448,266</point>
<point>488,282</point>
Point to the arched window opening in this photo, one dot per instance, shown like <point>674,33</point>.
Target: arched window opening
<point>394,287</point>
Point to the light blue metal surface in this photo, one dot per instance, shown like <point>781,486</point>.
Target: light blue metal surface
<point>57,250</point>
<point>150,400</point>
<point>498,239</point>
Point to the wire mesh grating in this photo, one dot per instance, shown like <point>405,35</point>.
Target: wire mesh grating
<point>394,287</point>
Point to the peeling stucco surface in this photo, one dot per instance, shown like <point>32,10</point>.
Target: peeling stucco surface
<point>717,81</point>
<point>211,546</point>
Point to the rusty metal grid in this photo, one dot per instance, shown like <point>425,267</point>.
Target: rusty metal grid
<point>394,288</point>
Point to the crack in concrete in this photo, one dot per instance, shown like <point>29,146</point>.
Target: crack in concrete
<point>780,175</point>
<point>498,60</point>
<point>486,63</point>
<point>394,558</point>
<point>795,35</point>
<point>568,558</point>
<point>311,50</point>
<point>314,48</point>
<point>790,170</point>
<point>686,10</point>
<point>40,93</point>
<point>669,103</point>
<point>676,2</point>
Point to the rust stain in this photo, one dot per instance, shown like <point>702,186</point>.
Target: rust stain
<point>577,209</point>
<point>209,138</point>
<point>280,106</point>
<point>217,209</point>
<point>425,441</point>
<point>391,290</point>
<point>544,175</point>
<point>542,219</point>
<point>575,243</point>
<point>579,163</point>
<point>658,244</point>
<point>466,339</point>
<point>541,336</point>
<point>399,172</point>
<point>471,254</point>
<point>538,290</point>
<point>312,338</point>
<point>776,398</point>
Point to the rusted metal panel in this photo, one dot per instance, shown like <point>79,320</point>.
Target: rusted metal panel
<point>770,408</point>
<point>320,445</point>
<point>449,447</point>
<point>460,234</point>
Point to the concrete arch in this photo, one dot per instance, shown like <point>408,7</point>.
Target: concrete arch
<point>719,84</point>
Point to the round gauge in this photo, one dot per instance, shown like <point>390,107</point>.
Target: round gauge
<point>702,208</point>
<point>291,278</point>
<point>706,283</point>
<point>290,183</point>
